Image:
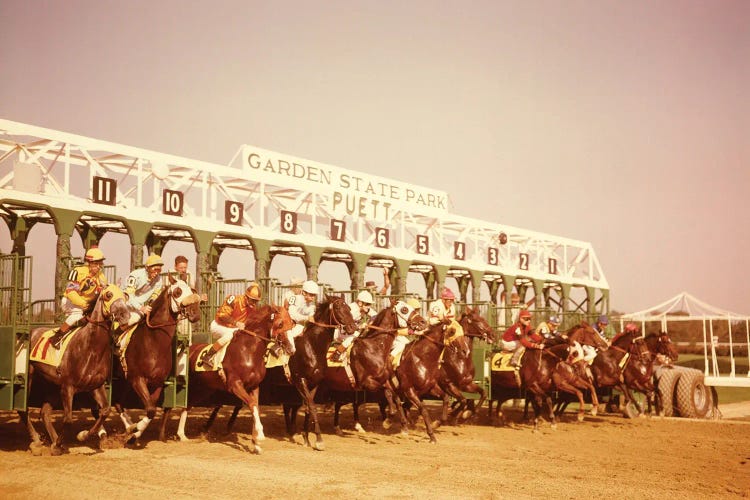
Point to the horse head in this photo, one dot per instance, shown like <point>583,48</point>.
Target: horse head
<point>112,304</point>
<point>409,317</point>
<point>475,325</point>
<point>665,347</point>
<point>586,335</point>
<point>282,323</point>
<point>183,300</point>
<point>335,312</point>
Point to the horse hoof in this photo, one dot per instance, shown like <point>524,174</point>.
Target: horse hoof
<point>183,438</point>
<point>433,440</point>
<point>82,436</point>
<point>36,449</point>
<point>338,432</point>
<point>257,450</point>
<point>319,446</point>
<point>593,411</point>
<point>56,451</point>
<point>260,437</point>
<point>386,424</point>
<point>466,415</point>
<point>580,417</point>
<point>358,427</point>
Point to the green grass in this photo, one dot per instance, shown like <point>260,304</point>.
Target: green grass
<point>726,394</point>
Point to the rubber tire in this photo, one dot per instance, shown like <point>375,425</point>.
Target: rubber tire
<point>694,399</point>
<point>667,386</point>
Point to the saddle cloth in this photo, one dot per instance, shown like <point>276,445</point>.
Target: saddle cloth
<point>216,361</point>
<point>273,361</point>
<point>501,362</point>
<point>336,364</point>
<point>43,352</point>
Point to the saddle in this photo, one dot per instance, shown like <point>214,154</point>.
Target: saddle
<point>43,352</point>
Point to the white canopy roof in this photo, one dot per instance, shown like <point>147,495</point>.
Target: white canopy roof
<point>682,306</point>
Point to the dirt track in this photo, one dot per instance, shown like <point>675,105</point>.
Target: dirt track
<point>603,456</point>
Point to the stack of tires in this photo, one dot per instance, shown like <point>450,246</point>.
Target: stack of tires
<point>683,392</point>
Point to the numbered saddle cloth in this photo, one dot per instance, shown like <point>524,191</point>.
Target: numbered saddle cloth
<point>272,361</point>
<point>44,352</point>
<point>216,360</point>
<point>501,361</point>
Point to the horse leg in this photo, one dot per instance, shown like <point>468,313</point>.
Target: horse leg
<point>181,426</point>
<point>336,409</point>
<point>629,397</point>
<point>238,389</point>
<point>100,396</point>
<point>311,413</point>
<point>46,415</point>
<point>66,392</point>
<point>149,403</point>
<point>290,420</point>
<point>594,398</point>
<point>571,389</point>
<point>233,418</point>
<point>256,416</point>
<point>211,418</point>
<point>36,444</point>
<point>453,390</point>
<point>163,427</point>
<point>472,409</point>
<point>412,396</point>
<point>355,410</point>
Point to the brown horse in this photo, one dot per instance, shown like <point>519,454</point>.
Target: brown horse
<point>244,368</point>
<point>148,358</point>
<point>370,363</point>
<point>457,369</point>
<point>308,363</point>
<point>543,371</point>
<point>418,372</point>
<point>85,366</point>
<point>626,364</point>
<point>660,344</point>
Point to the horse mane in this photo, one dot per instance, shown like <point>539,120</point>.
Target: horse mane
<point>377,321</point>
<point>321,306</point>
<point>259,318</point>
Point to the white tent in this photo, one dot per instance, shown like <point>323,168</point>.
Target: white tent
<point>685,307</point>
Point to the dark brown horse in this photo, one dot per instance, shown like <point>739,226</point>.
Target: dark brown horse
<point>148,358</point>
<point>660,344</point>
<point>457,369</point>
<point>85,366</point>
<point>418,372</point>
<point>308,363</point>
<point>244,368</point>
<point>626,364</point>
<point>543,371</point>
<point>370,363</point>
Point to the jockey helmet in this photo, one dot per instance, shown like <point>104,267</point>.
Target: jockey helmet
<point>154,260</point>
<point>554,319</point>
<point>411,301</point>
<point>365,297</point>
<point>631,328</point>
<point>93,254</point>
<point>447,294</point>
<point>525,313</point>
<point>603,320</point>
<point>310,287</point>
<point>253,291</point>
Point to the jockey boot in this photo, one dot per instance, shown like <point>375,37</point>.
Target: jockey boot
<point>338,354</point>
<point>56,339</point>
<point>277,349</point>
<point>206,358</point>
<point>515,360</point>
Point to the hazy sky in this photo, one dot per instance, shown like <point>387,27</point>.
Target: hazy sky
<point>625,124</point>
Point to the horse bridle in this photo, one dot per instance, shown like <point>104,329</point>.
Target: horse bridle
<point>335,323</point>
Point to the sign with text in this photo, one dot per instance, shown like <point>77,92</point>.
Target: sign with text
<point>349,192</point>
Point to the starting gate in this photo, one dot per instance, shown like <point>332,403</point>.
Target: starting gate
<point>15,293</point>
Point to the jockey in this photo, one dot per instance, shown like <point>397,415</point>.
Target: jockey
<point>630,328</point>
<point>302,309</point>
<point>142,287</point>
<point>362,313</point>
<point>548,329</point>
<point>520,336</point>
<point>84,284</point>
<point>230,317</point>
<point>403,313</point>
<point>589,352</point>
<point>444,311</point>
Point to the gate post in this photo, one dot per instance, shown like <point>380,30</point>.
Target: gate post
<point>508,284</point>
<point>138,232</point>
<point>590,300</point>
<point>441,272</point>
<point>476,285</point>
<point>357,270</point>
<point>399,281</point>
<point>312,261</point>
<point>565,292</point>
<point>539,294</point>
<point>65,223</point>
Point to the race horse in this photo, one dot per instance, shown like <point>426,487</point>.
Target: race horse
<point>243,366</point>
<point>418,373</point>
<point>148,357</point>
<point>85,366</point>
<point>626,364</point>
<point>545,370</point>
<point>660,344</point>
<point>369,362</point>
<point>457,368</point>
<point>307,365</point>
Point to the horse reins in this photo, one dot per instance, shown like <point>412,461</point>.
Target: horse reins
<point>332,317</point>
